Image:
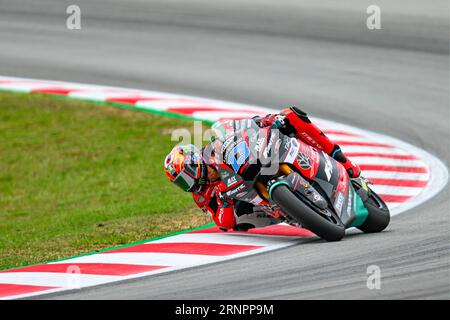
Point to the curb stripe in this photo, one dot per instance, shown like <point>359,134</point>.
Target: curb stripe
<point>382,155</point>
<point>210,249</point>
<point>190,110</point>
<point>363,144</point>
<point>135,99</point>
<point>370,174</point>
<point>7,289</point>
<point>387,162</point>
<point>53,279</point>
<point>110,269</point>
<point>350,149</point>
<point>396,190</point>
<point>400,182</point>
<point>393,168</point>
<point>148,259</point>
<point>55,90</point>
<point>340,133</point>
<point>275,230</point>
<point>226,238</point>
<point>394,198</point>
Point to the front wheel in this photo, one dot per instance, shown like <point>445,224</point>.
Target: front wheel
<point>379,216</point>
<point>328,227</point>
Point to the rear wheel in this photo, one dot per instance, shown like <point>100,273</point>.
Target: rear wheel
<point>325,224</point>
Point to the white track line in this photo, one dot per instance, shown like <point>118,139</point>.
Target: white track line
<point>53,279</point>
<point>147,258</point>
<point>389,162</point>
<point>396,175</point>
<point>396,191</point>
<point>373,149</point>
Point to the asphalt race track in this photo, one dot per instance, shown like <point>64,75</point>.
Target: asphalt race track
<point>270,53</point>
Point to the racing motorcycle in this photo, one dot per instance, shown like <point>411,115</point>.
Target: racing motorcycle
<point>303,185</point>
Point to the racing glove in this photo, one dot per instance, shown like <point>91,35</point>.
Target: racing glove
<point>276,121</point>
<point>224,215</point>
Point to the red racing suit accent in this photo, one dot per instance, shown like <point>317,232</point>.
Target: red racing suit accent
<point>222,212</point>
<point>297,122</point>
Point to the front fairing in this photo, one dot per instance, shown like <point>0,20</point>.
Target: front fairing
<point>326,175</point>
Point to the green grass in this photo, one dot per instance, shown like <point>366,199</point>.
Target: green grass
<point>77,177</point>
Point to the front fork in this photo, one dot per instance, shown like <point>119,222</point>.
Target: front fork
<point>362,192</point>
<point>262,188</point>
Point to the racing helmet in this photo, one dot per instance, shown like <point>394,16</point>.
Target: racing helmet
<point>185,167</point>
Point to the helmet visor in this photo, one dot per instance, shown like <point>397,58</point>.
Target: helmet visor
<point>184,181</point>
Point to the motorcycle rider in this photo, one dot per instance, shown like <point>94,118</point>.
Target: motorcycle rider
<point>196,171</point>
